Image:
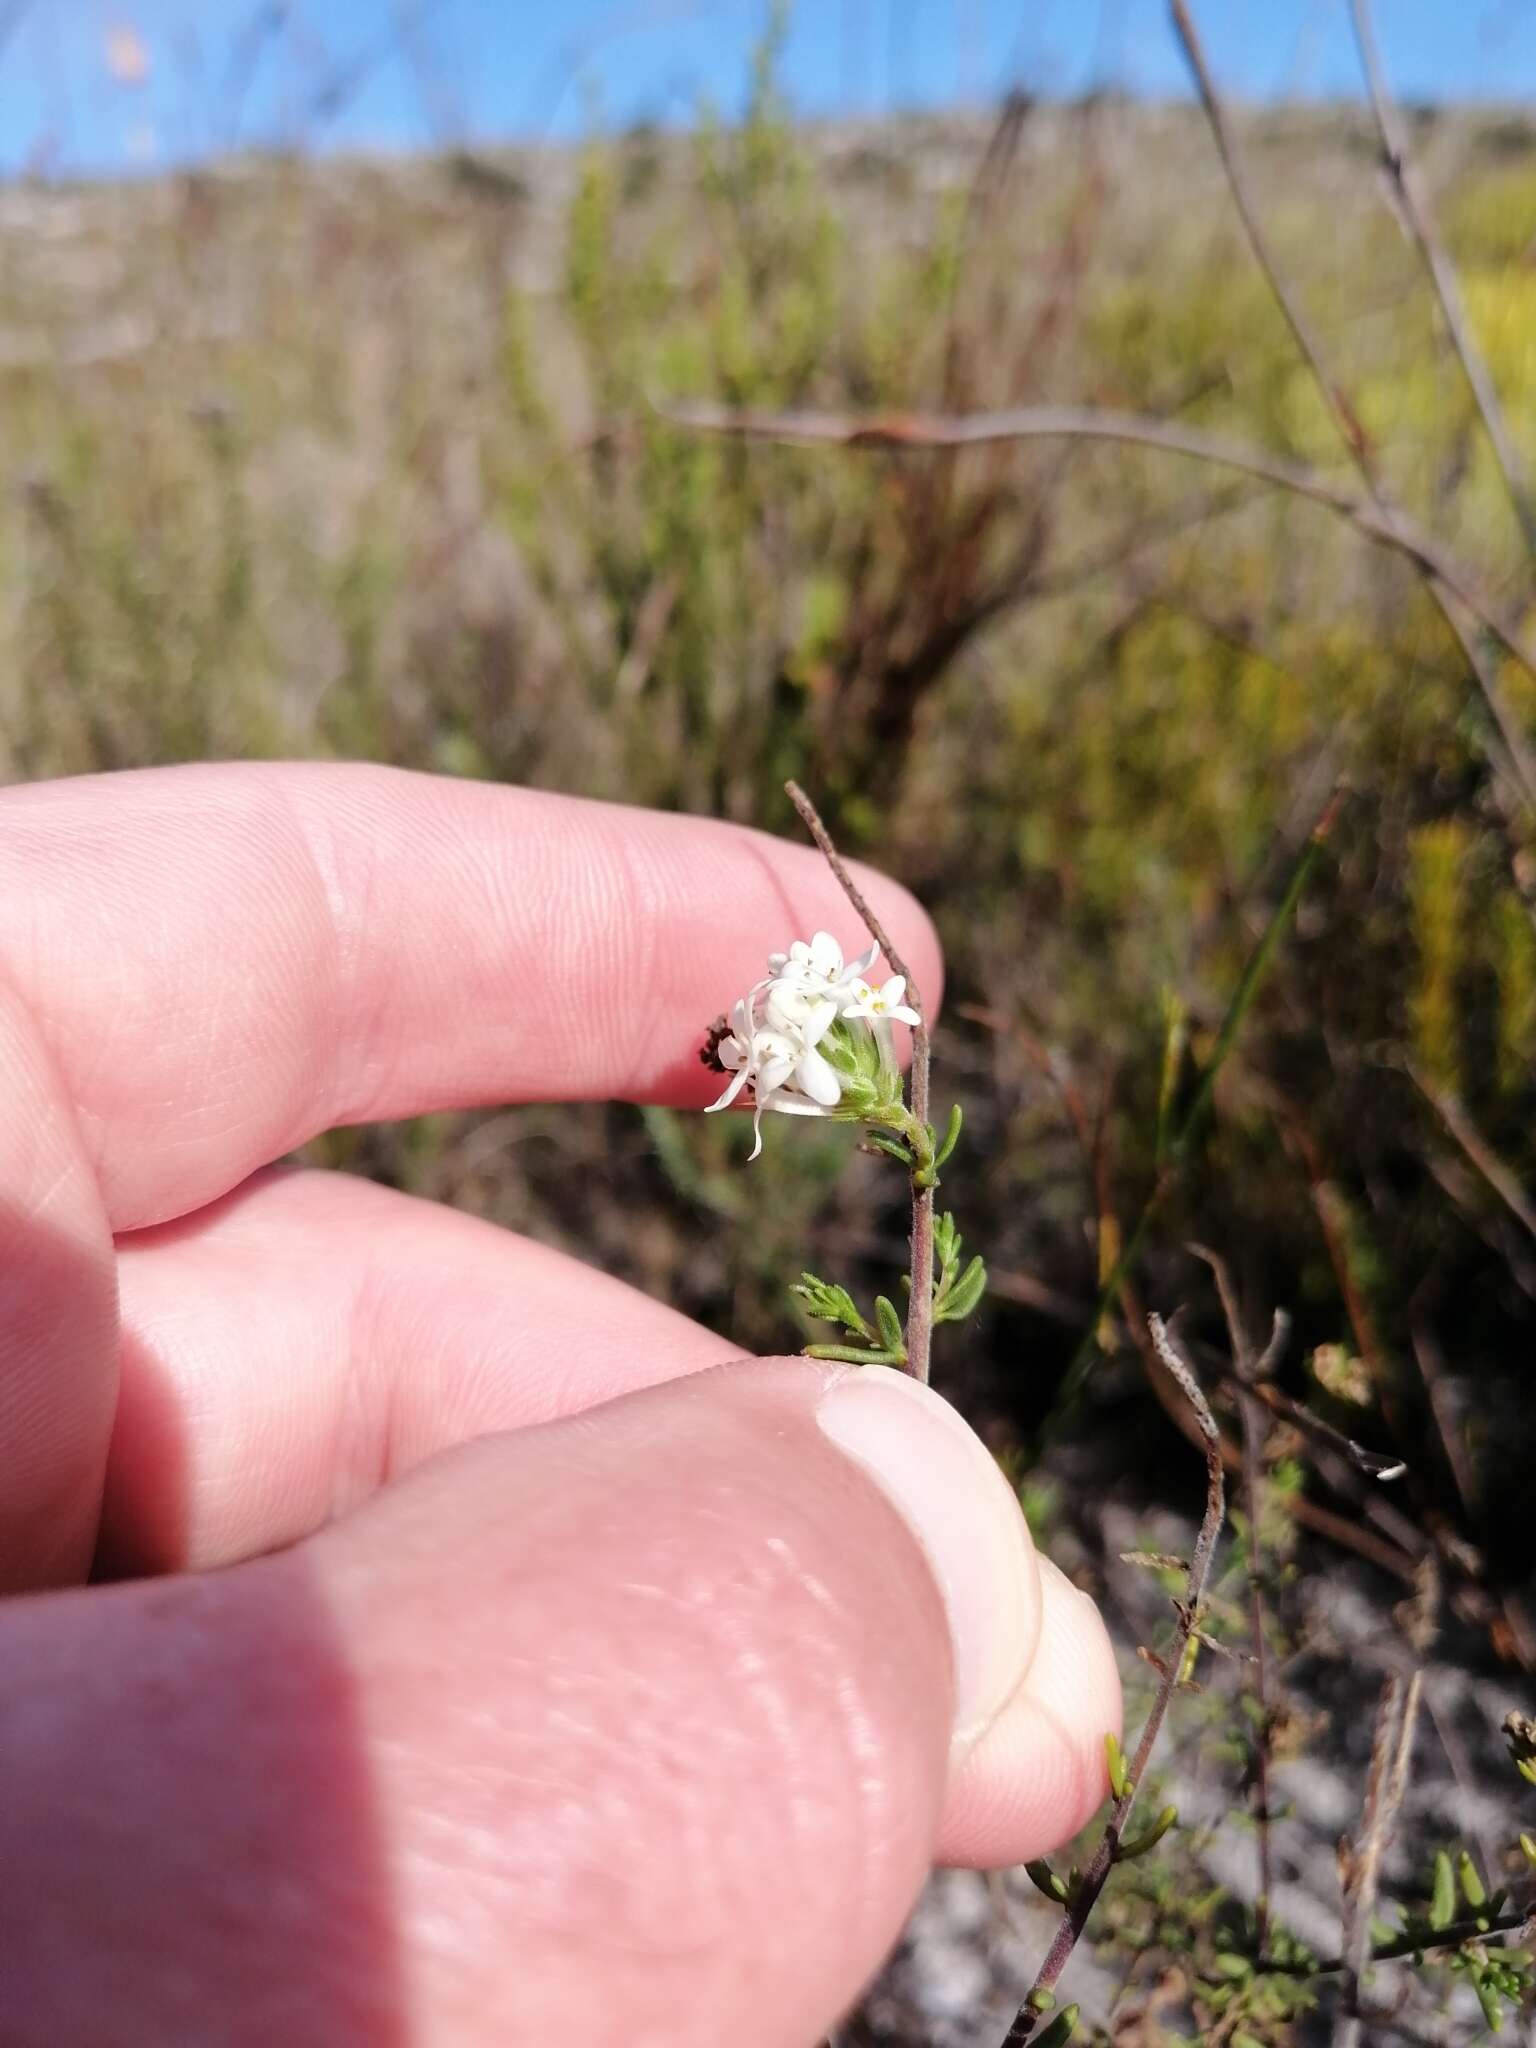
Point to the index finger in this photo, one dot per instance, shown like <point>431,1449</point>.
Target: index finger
<point>226,960</point>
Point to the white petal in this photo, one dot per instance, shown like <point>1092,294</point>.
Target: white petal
<point>787,1005</point>
<point>894,990</point>
<point>818,1079</point>
<point>757,1133</point>
<point>863,964</point>
<point>774,1073</point>
<point>820,1018</point>
<point>826,956</point>
<point>904,1014</point>
<point>737,1083</point>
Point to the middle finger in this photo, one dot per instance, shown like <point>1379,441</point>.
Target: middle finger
<point>289,1350</point>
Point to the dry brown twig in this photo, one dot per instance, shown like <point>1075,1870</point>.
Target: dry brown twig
<point>1416,212</point>
<point>1360,1861</point>
<point>919,1334</point>
<point>1453,1113</point>
<point>1250,1369</point>
<point>1083,1900</point>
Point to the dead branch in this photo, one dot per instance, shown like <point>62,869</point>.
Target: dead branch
<point>1414,203</point>
<point>1085,1896</point>
<point>1248,1368</point>
<point>1360,1861</point>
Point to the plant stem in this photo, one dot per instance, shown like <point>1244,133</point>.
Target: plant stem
<point>1442,274</point>
<point>1083,1900</point>
<point>1458,1933</point>
<point>1248,1368</point>
<point>1360,1860</point>
<point>920,1309</point>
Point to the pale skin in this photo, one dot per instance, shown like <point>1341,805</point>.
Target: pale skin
<point>481,1667</point>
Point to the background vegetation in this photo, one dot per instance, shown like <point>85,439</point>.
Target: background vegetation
<point>365,461</point>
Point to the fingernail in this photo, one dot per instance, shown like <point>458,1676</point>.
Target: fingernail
<point>946,1486</point>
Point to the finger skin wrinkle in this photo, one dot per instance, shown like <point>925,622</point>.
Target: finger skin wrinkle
<point>342,884</point>
<point>632,925</point>
<point>365,1399</point>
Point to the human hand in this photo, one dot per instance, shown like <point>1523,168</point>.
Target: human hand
<point>556,1689</point>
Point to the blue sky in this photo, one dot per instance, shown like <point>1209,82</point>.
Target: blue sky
<point>117,85</point>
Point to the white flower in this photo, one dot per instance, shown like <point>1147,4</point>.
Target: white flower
<point>818,962</point>
<point>879,1004</point>
<point>779,1061</point>
<point>777,1027</point>
<point>795,1006</point>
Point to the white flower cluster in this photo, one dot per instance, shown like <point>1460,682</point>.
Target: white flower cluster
<point>773,1045</point>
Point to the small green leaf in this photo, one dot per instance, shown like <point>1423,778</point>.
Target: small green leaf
<point>1236,1969</point>
<point>890,1326</point>
<point>1442,1908</point>
<point>1471,1884</point>
<point>1044,1879</point>
<point>1528,1849</point>
<point>1150,1836</point>
<point>946,1239</point>
<point>1488,1999</point>
<point>1041,2000</point>
<point>893,1146</point>
<point>1060,2030</point>
<point>825,1302</point>
<point>961,1297</point>
<point>951,1136</point>
<point>1114,1756</point>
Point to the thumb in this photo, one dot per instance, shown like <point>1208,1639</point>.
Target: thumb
<point>692,1690</point>
<point>634,1727</point>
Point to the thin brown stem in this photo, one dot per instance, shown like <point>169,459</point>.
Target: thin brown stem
<point>1442,273</point>
<point>1075,1915</point>
<point>1501,1178</point>
<point>919,1332</point>
<point>1248,1367</point>
<point>1396,1720</point>
<point>1401,1945</point>
<point>1343,413</point>
<point>1368,1463</point>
